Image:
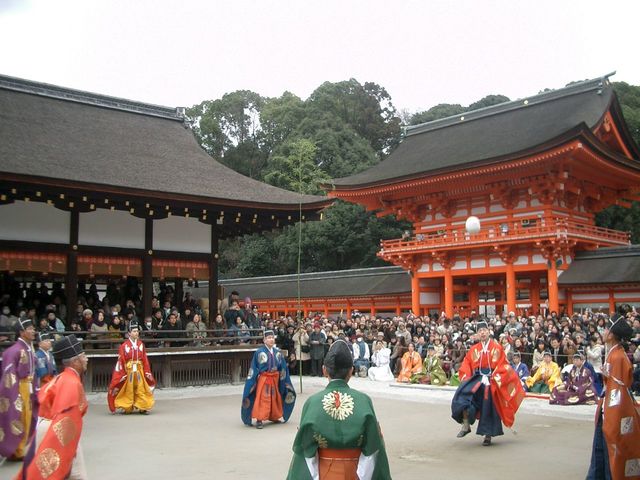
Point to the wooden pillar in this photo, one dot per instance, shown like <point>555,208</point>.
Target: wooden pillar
<point>511,288</point>
<point>415,292</point>
<point>326,308</point>
<point>569,301</point>
<point>448,292</point>
<point>213,276</point>
<point>71,278</point>
<point>398,307</point>
<point>373,307</point>
<point>535,294</point>
<point>147,268</point>
<point>179,292</point>
<point>348,309</point>
<point>552,285</point>
<point>612,303</point>
<point>474,302</point>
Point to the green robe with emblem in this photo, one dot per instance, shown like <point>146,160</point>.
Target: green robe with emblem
<point>339,417</point>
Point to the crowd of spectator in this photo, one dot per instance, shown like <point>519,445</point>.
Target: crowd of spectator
<point>179,322</point>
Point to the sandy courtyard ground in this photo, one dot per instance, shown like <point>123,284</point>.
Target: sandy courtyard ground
<point>197,433</point>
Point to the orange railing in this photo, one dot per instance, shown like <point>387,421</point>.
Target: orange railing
<point>507,233</point>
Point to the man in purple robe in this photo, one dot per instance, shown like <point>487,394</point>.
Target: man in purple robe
<point>18,394</point>
<point>578,388</point>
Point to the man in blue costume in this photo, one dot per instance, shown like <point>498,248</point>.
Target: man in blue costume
<point>268,391</point>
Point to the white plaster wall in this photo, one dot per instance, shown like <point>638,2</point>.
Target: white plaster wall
<point>181,234</point>
<point>429,298</point>
<point>495,262</point>
<point>521,260</point>
<point>34,222</point>
<point>478,263</point>
<point>621,295</point>
<point>424,268</point>
<point>478,210</point>
<point>107,228</point>
<point>459,265</point>
<point>538,259</point>
<point>496,208</point>
<point>590,296</point>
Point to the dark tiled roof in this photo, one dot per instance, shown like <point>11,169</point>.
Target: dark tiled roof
<point>491,134</point>
<point>54,132</point>
<point>345,283</point>
<point>605,265</point>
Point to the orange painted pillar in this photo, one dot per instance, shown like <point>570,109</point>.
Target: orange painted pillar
<point>569,302</point>
<point>398,307</point>
<point>415,293</point>
<point>326,309</point>
<point>448,292</point>
<point>552,286</point>
<point>373,307</point>
<point>348,309</point>
<point>474,303</point>
<point>612,303</point>
<point>535,294</point>
<point>511,288</point>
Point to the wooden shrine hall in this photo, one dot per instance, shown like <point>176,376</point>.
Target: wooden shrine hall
<point>93,186</point>
<point>534,171</point>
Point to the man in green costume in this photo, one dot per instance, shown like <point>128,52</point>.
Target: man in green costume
<point>432,371</point>
<point>339,437</point>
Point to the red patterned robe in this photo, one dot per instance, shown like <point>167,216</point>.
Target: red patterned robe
<point>506,389</point>
<point>62,406</point>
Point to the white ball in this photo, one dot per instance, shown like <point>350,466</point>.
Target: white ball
<point>472,225</point>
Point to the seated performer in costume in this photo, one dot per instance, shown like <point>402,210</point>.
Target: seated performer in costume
<point>432,372</point>
<point>490,389</point>
<point>547,376</point>
<point>577,389</point>
<point>361,355</point>
<point>131,387</point>
<point>339,437</point>
<point>521,369</point>
<point>45,364</point>
<point>380,372</point>
<point>411,363</point>
<point>268,391</point>
<point>18,394</point>
<point>616,441</point>
<point>55,453</point>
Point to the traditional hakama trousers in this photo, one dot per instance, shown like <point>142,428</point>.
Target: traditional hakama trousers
<point>268,404</point>
<point>475,397</point>
<point>338,464</point>
<point>135,392</point>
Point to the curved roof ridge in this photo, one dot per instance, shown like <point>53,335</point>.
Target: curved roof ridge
<point>90,98</point>
<point>596,84</point>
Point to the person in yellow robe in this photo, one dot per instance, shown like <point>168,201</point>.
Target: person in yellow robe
<point>547,376</point>
<point>411,364</point>
<point>132,380</point>
<point>432,372</point>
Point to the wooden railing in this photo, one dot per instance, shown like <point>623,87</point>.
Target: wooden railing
<point>177,359</point>
<point>506,233</point>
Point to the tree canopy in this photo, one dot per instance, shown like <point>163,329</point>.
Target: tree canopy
<point>341,129</point>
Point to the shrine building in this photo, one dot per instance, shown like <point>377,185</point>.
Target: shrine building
<point>535,172</point>
<point>94,188</point>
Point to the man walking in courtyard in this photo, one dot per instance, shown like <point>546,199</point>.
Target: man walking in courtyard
<point>268,392</point>
<point>339,437</point>
<point>490,389</point>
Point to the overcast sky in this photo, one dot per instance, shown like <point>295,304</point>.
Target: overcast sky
<point>424,52</point>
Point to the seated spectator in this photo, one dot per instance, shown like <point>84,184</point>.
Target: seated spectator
<point>380,360</point>
<point>361,355</point>
<point>170,331</point>
<point>196,330</point>
<point>521,369</point>
<point>538,354</point>
<point>594,353</point>
<point>239,330</point>
<point>98,330</point>
<point>547,376</point>
<point>411,363</point>
<point>577,389</point>
<point>432,372</point>
<point>54,321</point>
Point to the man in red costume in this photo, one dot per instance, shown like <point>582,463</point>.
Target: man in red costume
<point>616,441</point>
<point>490,389</point>
<point>55,453</point>
<point>132,380</point>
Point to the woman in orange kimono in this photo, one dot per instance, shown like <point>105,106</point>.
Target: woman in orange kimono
<point>411,364</point>
<point>132,380</point>
<point>616,441</point>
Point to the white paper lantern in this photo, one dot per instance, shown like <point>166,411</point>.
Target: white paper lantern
<point>472,225</point>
